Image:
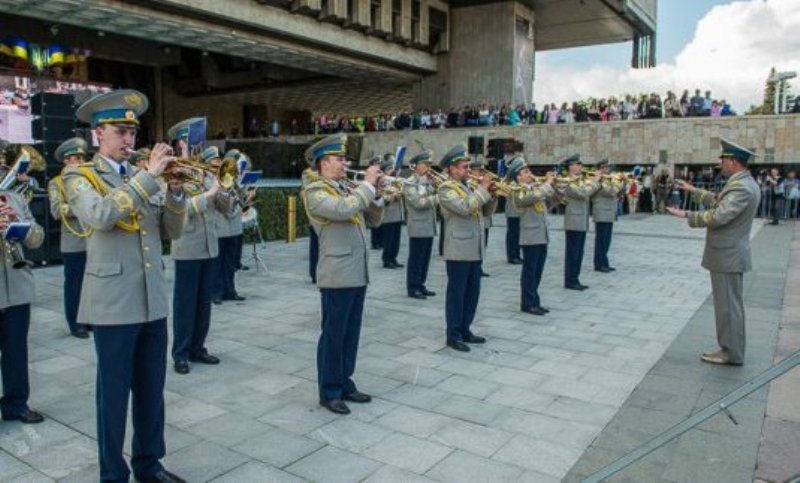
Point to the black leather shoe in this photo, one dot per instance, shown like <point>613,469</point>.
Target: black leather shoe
<point>533,310</point>
<point>397,265</point>
<point>335,406</point>
<point>28,416</point>
<point>205,358</point>
<point>546,310</point>
<point>458,345</point>
<point>515,261</point>
<point>182,367</point>
<point>602,270</point>
<point>574,286</point>
<point>428,293</point>
<point>235,297</point>
<point>244,268</point>
<point>162,476</point>
<point>388,265</point>
<point>582,286</point>
<point>611,268</point>
<point>417,294</point>
<point>216,301</point>
<point>474,339</point>
<point>358,397</point>
<point>81,334</point>
<point>484,274</point>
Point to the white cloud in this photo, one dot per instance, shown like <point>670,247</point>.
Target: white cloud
<point>733,49</point>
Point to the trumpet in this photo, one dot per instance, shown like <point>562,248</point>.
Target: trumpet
<point>193,173</point>
<point>13,248</point>
<point>436,178</point>
<point>499,186</point>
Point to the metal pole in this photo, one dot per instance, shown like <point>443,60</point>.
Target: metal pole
<point>291,230</point>
<point>722,405</point>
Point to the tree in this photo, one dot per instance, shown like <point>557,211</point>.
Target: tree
<point>768,105</point>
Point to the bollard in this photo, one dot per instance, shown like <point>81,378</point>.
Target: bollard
<point>291,219</point>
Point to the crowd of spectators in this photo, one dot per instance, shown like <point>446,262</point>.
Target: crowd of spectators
<point>627,107</point>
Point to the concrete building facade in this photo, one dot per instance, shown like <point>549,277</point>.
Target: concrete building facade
<point>275,58</point>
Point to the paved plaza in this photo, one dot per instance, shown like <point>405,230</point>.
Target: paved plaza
<point>537,403</point>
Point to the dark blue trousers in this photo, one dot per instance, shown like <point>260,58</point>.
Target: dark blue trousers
<point>313,254</point>
<point>14,323</point>
<point>131,360</point>
<point>533,258</point>
<point>74,266</point>
<point>342,309</point>
<point>419,259</point>
<point>391,241</point>
<point>602,242</point>
<point>512,239</point>
<point>225,271</point>
<point>191,307</point>
<point>376,237</point>
<point>441,236</point>
<point>239,249</point>
<point>463,292</point>
<point>573,257</point>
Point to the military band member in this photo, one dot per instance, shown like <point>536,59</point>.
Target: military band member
<point>17,292</point>
<point>421,200</point>
<point>194,253</point>
<point>229,229</point>
<point>464,250</point>
<point>576,220</point>
<point>338,215</point>
<point>512,230</point>
<point>728,222</point>
<point>124,295</point>
<point>531,204</point>
<point>73,236</point>
<point>393,217</point>
<point>604,213</point>
<point>476,168</point>
<point>309,176</point>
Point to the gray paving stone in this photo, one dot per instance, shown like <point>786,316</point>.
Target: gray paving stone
<point>465,386</point>
<point>413,421</point>
<point>517,397</point>
<point>543,456</point>
<point>11,467</point>
<point>474,438</point>
<point>470,409</point>
<point>68,456</point>
<point>350,434</point>
<point>203,461</point>
<point>298,419</point>
<point>334,465</point>
<point>228,429</point>
<point>392,474</point>
<point>278,447</point>
<point>408,452</point>
<point>461,466</point>
<point>257,472</point>
<point>417,396</point>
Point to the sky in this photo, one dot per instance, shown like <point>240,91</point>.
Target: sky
<point>724,46</point>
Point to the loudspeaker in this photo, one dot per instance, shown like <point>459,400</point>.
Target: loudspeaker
<point>53,128</point>
<point>49,104</point>
<point>475,145</point>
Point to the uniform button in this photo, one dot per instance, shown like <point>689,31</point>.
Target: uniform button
<point>147,265</point>
<point>146,248</point>
<point>144,233</point>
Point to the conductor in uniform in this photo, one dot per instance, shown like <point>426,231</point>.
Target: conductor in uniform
<point>73,236</point>
<point>463,209</point>
<point>17,292</point>
<point>421,201</point>
<point>576,220</point>
<point>728,222</point>
<point>194,253</point>
<point>124,295</point>
<point>338,215</point>
<point>604,213</point>
<point>531,203</point>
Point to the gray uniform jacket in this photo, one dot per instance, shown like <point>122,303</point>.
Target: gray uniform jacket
<point>339,220</point>
<point>124,280</point>
<point>577,195</point>
<point>60,210</point>
<point>532,207</point>
<point>393,210</point>
<point>604,202</point>
<point>229,223</point>
<point>199,240</point>
<point>421,201</point>
<point>728,223</point>
<point>16,284</point>
<point>463,210</point>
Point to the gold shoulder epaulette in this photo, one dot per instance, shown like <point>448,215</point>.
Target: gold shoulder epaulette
<point>316,184</point>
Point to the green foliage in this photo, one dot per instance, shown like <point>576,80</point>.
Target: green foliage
<point>768,105</point>
<point>273,213</point>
